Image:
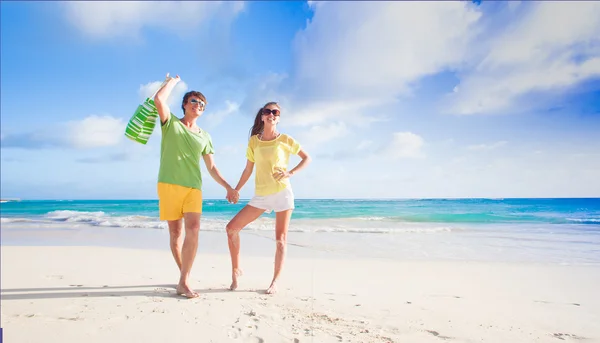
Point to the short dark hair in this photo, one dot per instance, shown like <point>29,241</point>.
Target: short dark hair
<point>191,94</point>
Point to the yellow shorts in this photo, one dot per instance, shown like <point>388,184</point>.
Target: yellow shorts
<point>175,200</point>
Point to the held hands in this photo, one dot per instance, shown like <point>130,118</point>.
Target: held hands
<point>281,174</point>
<point>232,196</point>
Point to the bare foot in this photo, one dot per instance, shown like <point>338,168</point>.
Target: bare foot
<point>272,289</point>
<point>236,273</point>
<point>187,292</point>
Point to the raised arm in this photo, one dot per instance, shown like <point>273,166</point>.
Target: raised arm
<point>160,99</point>
<point>232,194</point>
<point>245,175</point>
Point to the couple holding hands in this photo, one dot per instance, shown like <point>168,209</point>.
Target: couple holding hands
<point>183,144</point>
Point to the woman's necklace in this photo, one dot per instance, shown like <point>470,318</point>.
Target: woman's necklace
<point>275,136</point>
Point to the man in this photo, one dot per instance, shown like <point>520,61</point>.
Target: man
<point>180,179</point>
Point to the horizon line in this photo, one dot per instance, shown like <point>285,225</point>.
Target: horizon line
<point>348,198</point>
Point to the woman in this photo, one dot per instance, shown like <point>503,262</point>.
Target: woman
<point>269,150</point>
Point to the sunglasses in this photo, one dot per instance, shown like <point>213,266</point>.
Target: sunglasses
<point>197,102</point>
<point>267,111</point>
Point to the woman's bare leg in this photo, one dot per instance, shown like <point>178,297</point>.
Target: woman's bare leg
<point>247,215</point>
<point>282,222</point>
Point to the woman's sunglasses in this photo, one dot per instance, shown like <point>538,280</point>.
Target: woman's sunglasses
<point>267,111</point>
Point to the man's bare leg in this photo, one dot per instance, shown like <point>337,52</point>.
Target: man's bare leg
<point>282,222</point>
<point>188,253</point>
<point>247,215</point>
<point>176,240</point>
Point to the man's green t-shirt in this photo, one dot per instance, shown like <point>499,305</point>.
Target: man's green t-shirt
<point>180,154</point>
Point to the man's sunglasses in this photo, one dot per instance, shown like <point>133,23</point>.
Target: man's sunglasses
<point>267,111</point>
<point>197,102</point>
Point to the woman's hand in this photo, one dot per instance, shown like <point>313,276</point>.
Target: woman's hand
<point>232,196</point>
<point>281,174</point>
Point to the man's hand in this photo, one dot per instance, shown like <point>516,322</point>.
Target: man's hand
<point>232,196</point>
<point>169,78</point>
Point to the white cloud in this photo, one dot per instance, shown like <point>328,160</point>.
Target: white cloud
<point>513,5</point>
<point>364,144</point>
<point>345,74</point>
<point>263,89</point>
<point>213,119</point>
<point>319,134</point>
<point>102,19</point>
<point>555,46</point>
<point>314,4</point>
<point>175,98</point>
<point>405,145</point>
<point>479,147</point>
<point>95,131</point>
<point>393,45</point>
<point>519,175</point>
<point>546,47</point>
<point>523,174</point>
<point>351,111</point>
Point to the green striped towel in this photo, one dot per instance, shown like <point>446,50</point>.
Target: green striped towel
<point>142,123</point>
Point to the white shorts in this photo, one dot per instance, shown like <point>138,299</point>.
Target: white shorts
<point>280,201</point>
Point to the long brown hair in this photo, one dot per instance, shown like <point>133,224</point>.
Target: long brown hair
<point>259,125</point>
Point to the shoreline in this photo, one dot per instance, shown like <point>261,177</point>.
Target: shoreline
<point>99,294</point>
<point>476,246</point>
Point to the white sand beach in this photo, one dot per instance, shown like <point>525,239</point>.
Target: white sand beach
<point>100,294</point>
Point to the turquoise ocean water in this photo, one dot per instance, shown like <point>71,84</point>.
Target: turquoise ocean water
<point>538,230</point>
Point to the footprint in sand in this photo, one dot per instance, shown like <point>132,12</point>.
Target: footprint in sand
<point>54,277</point>
<point>549,302</point>
<point>234,334</point>
<point>437,334</point>
<point>562,336</point>
<point>445,296</point>
<point>245,329</point>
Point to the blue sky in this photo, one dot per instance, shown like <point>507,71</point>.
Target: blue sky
<point>391,99</point>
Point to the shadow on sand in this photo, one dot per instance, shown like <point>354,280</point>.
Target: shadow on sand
<point>78,291</point>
